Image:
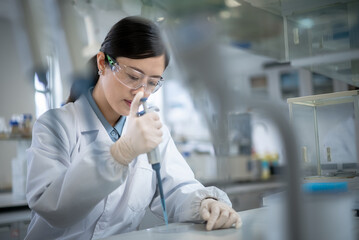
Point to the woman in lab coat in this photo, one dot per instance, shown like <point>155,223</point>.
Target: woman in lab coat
<point>88,172</point>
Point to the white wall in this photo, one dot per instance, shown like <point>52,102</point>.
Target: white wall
<point>16,93</point>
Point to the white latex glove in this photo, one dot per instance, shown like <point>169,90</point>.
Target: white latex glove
<point>219,215</point>
<point>143,134</point>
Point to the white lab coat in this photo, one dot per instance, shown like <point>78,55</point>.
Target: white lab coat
<point>76,190</point>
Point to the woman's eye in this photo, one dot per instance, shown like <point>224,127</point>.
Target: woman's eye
<point>134,78</point>
<point>153,83</point>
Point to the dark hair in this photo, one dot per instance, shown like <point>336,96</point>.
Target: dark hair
<point>132,37</point>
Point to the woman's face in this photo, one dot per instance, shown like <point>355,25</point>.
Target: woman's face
<point>116,95</point>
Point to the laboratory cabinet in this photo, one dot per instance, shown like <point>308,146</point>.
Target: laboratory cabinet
<point>288,82</point>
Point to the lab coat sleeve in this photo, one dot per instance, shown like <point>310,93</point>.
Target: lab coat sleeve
<point>183,193</point>
<point>60,189</point>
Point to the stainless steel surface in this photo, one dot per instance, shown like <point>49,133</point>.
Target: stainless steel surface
<point>253,228</point>
<point>257,225</point>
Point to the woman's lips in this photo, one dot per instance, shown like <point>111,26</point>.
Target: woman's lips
<point>128,103</point>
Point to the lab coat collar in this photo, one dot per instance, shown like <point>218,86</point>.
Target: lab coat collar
<point>88,121</point>
<point>113,132</point>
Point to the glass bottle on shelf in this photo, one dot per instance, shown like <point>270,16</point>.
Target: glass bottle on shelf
<point>26,125</point>
<point>15,128</point>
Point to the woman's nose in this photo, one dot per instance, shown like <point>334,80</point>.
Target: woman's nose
<point>142,89</point>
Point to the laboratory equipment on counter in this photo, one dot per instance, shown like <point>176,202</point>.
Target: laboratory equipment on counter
<point>240,147</point>
<point>327,127</point>
<point>328,213</point>
<point>155,161</point>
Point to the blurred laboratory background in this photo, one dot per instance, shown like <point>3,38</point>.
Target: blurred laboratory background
<point>260,96</point>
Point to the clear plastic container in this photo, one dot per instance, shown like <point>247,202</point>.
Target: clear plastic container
<point>327,128</point>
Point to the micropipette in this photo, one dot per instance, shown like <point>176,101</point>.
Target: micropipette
<point>154,160</point>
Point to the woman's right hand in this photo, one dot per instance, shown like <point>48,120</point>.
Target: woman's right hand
<point>143,134</point>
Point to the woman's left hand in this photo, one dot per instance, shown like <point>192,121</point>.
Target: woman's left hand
<point>219,215</point>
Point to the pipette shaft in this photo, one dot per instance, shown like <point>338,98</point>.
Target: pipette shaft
<point>154,160</point>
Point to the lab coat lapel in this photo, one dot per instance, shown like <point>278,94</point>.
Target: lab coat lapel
<point>90,126</point>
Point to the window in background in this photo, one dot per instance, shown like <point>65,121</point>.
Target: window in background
<point>259,85</point>
<point>322,84</point>
<point>289,84</point>
<point>48,87</point>
<point>41,93</point>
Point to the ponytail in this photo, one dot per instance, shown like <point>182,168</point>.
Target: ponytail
<point>80,86</point>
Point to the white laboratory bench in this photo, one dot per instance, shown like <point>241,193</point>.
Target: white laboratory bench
<point>179,231</point>
<point>7,200</point>
<point>255,227</point>
<point>249,195</point>
<point>14,217</point>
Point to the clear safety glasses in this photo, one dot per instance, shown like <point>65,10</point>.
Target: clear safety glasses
<point>132,78</point>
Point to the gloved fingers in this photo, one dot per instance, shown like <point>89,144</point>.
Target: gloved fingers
<point>151,120</point>
<point>233,219</point>
<point>223,218</point>
<point>158,125</point>
<point>155,141</point>
<point>146,127</point>
<point>205,213</point>
<point>238,223</point>
<point>158,133</point>
<point>135,104</point>
<point>150,142</point>
<point>149,134</point>
<point>153,115</point>
<point>214,214</point>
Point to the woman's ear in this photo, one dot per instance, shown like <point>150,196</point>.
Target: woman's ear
<point>101,62</point>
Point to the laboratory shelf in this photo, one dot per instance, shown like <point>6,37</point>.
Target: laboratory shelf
<point>13,138</point>
<point>15,216</point>
<point>7,200</point>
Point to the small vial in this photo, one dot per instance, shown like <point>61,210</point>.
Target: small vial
<point>15,129</point>
<point>26,126</point>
